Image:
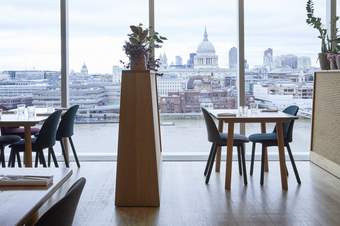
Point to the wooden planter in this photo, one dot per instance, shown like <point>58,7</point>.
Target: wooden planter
<point>138,160</point>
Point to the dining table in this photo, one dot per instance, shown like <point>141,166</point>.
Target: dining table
<point>12,118</point>
<point>20,205</point>
<point>233,116</point>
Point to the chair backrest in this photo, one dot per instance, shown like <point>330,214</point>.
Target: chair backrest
<point>213,134</point>
<point>62,213</point>
<point>47,134</point>
<point>66,124</point>
<point>288,126</point>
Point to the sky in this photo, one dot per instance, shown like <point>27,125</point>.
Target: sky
<point>30,30</point>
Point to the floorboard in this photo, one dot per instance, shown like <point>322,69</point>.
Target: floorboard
<point>187,200</point>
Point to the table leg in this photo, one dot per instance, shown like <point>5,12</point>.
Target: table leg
<point>229,161</point>
<point>28,147</point>
<point>280,142</point>
<point>218,153</point>
<point>263,130</point>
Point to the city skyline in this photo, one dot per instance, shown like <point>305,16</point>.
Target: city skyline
<point>30,32</point>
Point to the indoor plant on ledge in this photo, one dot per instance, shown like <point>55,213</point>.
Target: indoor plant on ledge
<point>139,47</point>
<point>328,57</point>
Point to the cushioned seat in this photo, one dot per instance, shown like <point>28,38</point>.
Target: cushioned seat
<point>238,139</point>
<point>20,145</point>
<point>263,137</point>
<point>18,131</point>
<point>9,139</point>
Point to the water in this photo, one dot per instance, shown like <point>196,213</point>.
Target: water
<point>186,136</point>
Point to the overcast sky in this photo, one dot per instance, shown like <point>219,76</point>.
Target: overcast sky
<point>30,33</point>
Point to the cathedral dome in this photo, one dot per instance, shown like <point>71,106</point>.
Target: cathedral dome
<point>206,47</point>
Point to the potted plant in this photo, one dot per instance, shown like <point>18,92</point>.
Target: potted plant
<point>316,23</point>
<point>139,47</point>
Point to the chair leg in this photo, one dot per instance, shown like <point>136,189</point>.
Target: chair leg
<point>293,164</point>
<point>13,160</point>
<point>36,159</point>
<point>262,164</point>
<point>211,165</point>
<point>64,153</point>
<point>243,154</point>
<point>239,159</point>
<point>49,158</point>
<point>209,159</point>
<point>252,159</point>
<point>2,156</point>
<point>18,159</point>
<point>53,157</point>
<point>42,158</point>
<point>74,152</point>
<point>10,158</point>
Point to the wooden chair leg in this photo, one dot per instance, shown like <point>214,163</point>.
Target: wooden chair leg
<point>293,164</point>
<point>64,153</point>
<point>2,156</point>
<point>209,159</point>
<point>211,165</point>
<point>74,152</point>
<point>252,159</point>
<point>18,159</point>
<point>239,159</point>
<point>262,163</point>
<point>243,155</point>
<point>54,158</point>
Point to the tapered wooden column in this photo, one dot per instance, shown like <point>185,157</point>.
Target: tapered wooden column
<point>138,160</point>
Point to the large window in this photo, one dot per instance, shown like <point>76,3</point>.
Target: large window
<point>199,68</point>
<point>97,31</point>
<point>281,55</point>
<point>29,53</point>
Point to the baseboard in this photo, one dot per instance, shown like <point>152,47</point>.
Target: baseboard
<point>325,164</point>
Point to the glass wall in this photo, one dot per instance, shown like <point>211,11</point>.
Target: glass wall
<point>198,63</point>
<point>281,55</point>
<point>29,53</point>
<point>97,31</point>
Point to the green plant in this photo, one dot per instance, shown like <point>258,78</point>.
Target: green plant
<point>317,24</point>
<point>141,42</point>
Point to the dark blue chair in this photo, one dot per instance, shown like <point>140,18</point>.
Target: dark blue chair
<point>65,130</point>
<point>270,139</point>
<point>45,139</point>
<point>62,213</point>
<point>4,141</point>
<point>220,139</point>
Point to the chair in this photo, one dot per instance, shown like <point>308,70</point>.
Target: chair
<point>220,139</point>
<point>65,130</point>
<point>45,139</point>
<point>62,213</point>
<point>4,141</point>
<point>270,139</point>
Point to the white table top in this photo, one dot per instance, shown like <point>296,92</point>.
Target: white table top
<point>18,205</point>
<point>233,115</point>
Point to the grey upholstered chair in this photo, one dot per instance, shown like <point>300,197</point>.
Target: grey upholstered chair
<point>220,139</point>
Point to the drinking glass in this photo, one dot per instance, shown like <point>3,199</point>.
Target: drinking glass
<point>31,111</point>
<point>21,109</point>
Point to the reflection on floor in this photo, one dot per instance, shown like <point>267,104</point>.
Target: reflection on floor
<point>186,200</point>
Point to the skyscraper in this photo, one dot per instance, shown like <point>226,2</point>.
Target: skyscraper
<point>191,60</point>
<point>268,58</point>
<point>233,58</point>
<point>179,60</point>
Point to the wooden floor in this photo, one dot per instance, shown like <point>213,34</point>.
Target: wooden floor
<point>186,200</point>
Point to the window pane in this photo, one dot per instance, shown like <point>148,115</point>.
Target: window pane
<point>282,52</point>
<point>29,53</point>
<point>97,34</point>
<point>196,69</point>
